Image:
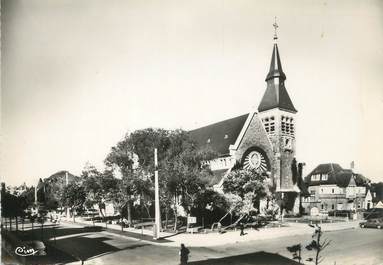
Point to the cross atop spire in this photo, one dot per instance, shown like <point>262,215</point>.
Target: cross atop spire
<point>275,25</point>
<point>276,95</point>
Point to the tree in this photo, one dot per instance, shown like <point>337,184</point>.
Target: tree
<point>28,196</point>
<point>143,189</point>
<point>12,206</point>
<point>209,206</point>
<point>99,186</point>
<point>73,196</point>
<point>134,158</point>
<point>115,190</point>
<point>92,186</point>
<point>121,157</point>
<point>317,244</point>
<point>249,186</point>
<point>53,187</point>
<point>183,174</point>
<point>181,170</point>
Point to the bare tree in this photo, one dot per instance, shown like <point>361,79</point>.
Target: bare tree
<point>318,244</point>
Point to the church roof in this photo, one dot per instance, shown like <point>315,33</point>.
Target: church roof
<point>276,95</point>
<point>219,136</point>
<point>336,175</point>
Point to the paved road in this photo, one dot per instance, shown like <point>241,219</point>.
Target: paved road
<point>352,246</point>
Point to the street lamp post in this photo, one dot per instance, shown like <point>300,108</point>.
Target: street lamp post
<point>66,184</point>
<point>157,226</point>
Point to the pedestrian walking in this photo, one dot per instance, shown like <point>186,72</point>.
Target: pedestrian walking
<point>184,255</point>
<point>242,227</point>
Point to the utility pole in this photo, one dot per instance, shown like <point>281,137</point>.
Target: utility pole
<point>36,195</point>
<point>157,226</point>
<point>67,183</point>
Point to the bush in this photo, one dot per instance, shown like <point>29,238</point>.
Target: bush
<point>181,221</point>
<point>291,215</point>
<point>340,213</point>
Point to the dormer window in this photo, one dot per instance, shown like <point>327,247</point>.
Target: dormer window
<point>324,177</point>
<point>226,136</point>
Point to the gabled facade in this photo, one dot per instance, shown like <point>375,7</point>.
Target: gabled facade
<point>263,140</point>
<point>333,188</point>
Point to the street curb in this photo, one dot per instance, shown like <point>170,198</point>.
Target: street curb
<point>334,230</point>
<point>112,231</point>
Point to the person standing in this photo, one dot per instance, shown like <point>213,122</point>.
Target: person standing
<point>242,227</point>
<point>184,254</point>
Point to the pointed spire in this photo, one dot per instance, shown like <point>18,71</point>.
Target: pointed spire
<point>276,95</point>
<point>275,66</point>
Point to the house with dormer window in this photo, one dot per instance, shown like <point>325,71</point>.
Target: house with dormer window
<point>333,188</point>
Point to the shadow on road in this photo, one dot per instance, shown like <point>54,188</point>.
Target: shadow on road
<point>84,248</point>
<point>71,244</point>
<point>256,258</point>
<point>55,256</point>
<point>51,232</point>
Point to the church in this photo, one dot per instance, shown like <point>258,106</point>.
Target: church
<point>263,140</point>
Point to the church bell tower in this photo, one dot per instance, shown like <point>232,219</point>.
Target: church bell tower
<point>277,113</point>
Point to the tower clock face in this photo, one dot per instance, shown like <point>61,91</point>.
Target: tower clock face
<point>255,160</point>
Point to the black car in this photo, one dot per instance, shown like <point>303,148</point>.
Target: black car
<point>372,223</point>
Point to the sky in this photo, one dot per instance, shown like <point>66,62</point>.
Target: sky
<point>76,76</point>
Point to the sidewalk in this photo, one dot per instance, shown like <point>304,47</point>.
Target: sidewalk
<point>215,239</point>
<point>340,226</point>
<point>139,234</point>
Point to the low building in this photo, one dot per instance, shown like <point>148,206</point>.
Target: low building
<point>333,188</point>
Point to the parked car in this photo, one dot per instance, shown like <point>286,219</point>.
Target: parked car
<point>373,223</point>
